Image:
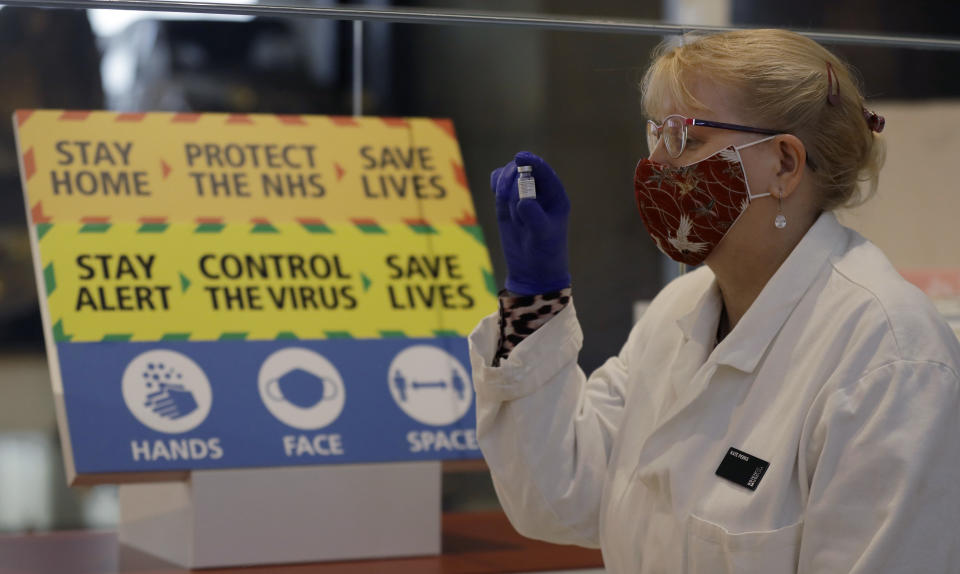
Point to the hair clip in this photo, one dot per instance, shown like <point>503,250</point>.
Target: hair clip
<point>875,121</point>
<point>833,86</point>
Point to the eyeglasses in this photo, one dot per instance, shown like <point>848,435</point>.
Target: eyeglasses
<point>673,131</point>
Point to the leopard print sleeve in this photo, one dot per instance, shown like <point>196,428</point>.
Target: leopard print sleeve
<point>521,315</point>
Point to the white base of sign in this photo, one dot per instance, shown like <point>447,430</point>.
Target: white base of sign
<point>284,515</point>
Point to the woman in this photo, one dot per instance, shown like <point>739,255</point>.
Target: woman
<point>791,406</point>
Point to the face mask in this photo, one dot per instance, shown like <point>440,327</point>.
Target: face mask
<point>687,210</point>
<point>301,388</point>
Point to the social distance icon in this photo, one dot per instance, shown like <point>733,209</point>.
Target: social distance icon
<point>302,388</point>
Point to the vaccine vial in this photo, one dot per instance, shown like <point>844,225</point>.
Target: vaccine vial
<point>526,185</point>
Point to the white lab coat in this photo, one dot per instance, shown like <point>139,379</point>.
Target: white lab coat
<point>841,375</point>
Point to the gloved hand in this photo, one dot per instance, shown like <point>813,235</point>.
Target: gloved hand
<point>533,232</point>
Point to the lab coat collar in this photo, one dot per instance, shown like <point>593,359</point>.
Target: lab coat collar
<point>700,324</point>
<point>743,348</point>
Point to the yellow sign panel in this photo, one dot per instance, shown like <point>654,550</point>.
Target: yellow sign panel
<point>189,167</point>
<point>215,226</point>
<point>240,281</point>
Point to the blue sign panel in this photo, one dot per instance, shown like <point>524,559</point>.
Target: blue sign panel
<point>158,406</point>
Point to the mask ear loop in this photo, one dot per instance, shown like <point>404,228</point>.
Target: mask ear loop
<point>759,141</point>
<point>750,196</point>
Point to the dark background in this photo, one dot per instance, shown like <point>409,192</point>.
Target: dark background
<point>570,97</point>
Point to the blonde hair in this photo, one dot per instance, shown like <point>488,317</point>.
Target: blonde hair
<point>783,84</point>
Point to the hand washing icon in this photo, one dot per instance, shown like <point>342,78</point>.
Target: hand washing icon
<point>168,397</point>
<point>166,391</point>
<point>302,388</point>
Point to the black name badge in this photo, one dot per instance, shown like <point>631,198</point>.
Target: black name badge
<point>742,468</point>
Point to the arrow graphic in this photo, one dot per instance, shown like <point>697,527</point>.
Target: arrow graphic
<point>436,385</point>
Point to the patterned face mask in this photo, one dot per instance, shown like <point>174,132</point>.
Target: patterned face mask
<point>687,210</point>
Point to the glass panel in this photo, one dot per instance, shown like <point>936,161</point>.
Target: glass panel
<point>570,97</point>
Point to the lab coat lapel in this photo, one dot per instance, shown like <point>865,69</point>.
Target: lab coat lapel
<point>743,348</point>
<point>686,379</point>
<point>699,328</point>
<point>689,374</point>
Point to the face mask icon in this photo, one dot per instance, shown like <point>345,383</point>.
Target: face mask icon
<point>301,388</point>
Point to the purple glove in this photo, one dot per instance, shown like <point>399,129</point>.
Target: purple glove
<point>533,232</point>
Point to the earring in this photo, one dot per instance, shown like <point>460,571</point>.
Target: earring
<point>780,221</point>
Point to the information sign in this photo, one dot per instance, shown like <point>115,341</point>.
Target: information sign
<point>223,291</point>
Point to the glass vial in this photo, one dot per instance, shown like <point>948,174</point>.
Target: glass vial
<point>526,185</point>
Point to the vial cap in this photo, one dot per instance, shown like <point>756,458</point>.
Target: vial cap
<point>524,168</point>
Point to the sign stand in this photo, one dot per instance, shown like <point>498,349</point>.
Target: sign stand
<point>282,515</point>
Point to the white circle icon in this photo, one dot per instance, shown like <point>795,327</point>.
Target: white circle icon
<point>430,385</point>
<point>166,391</point>
<point>301,388</point>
